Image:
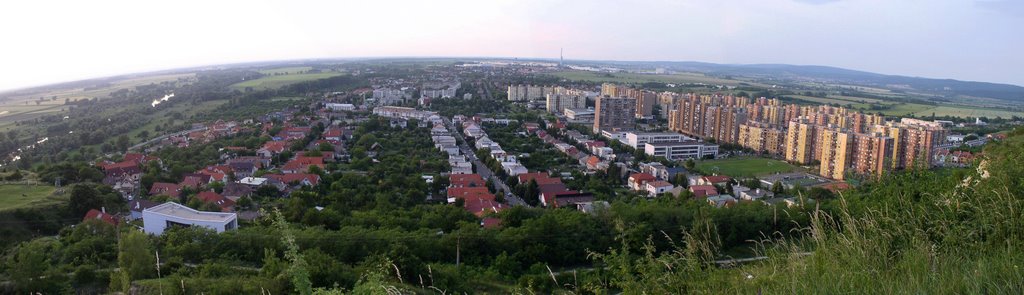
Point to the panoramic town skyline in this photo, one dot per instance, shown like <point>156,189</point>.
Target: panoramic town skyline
<point>956,39</point>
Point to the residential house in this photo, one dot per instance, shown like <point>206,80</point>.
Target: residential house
<point>637,181</point>
<point>158,218</point>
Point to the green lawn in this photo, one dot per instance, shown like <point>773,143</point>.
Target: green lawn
<point>13,196</point>
<point>745,166</point>
<point>272,82</point>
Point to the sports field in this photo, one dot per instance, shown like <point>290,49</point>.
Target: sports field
<point>13,196</point>
<point>744,166</point>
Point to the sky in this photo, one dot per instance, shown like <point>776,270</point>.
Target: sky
<point>48,41</point>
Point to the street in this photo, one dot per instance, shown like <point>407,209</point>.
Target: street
<point>483,170</point>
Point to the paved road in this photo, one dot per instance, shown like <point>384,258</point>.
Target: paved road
<point>162,137</point>
<point>483,170</point>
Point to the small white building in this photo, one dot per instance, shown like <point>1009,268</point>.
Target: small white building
<point>157,219</point>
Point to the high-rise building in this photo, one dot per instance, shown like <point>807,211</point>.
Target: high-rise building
<point>762,138</point>
<point>557,103</point>
<point>609,89</point>
<point>614,113</point>
<point>836,150</point>
<point>529,92</point>
<point>873,154</point>
<point>800,144</point>
<point>645,101</point>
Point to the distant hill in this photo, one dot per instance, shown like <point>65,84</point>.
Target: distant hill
<point>948,87</point>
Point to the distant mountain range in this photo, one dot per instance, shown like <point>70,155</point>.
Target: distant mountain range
<point>946,87</point>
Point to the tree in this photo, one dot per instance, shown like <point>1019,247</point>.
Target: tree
<point>30,261</point>
<point>136,259</point>
<point>689,164</point>
<point>777,188</point>
<point>123,142</point>
<point>84,197</point>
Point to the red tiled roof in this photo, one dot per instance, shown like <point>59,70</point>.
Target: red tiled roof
<point>703,190</point>
<point>303,163</point>
<point>163,188</point>
<point>526,177</point>
<point>491,222</point>
<point>275,146</point>
<point>466,180</point>
<point>295,177</point>
<point>225,204</point>
<point>716,178</point>
<point>470,193</point>
<point>481,207</point>
<point>97,214</point>
<point>120,165</point>
<point>641,177</point>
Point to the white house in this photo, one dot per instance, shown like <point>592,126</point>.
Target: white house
<point>157,219</point>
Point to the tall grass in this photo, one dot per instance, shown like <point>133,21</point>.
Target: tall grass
<point>916,232</point>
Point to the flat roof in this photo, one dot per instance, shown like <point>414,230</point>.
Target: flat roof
<point>173,209</point>
<point>685,142</point>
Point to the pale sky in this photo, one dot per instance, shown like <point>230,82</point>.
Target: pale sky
<point>47,41</point>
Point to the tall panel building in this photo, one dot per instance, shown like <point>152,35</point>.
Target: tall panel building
<point>801,142</point>
<point>557,103</point>
<point>614,113</point>
<point>873,154</point>
<point>836,150</point>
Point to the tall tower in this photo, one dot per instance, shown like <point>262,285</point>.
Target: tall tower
<point>561,57</point>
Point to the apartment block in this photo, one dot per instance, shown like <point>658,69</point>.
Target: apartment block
<point>614,113</point>
<point>836,150</point>
<point>557,103</point>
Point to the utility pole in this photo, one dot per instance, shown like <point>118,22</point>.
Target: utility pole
<point>458,250</point>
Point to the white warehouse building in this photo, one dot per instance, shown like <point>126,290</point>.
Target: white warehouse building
<point>159,218</point>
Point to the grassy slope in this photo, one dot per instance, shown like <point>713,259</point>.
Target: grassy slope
<point>14,196</point>
<point>914,233</point>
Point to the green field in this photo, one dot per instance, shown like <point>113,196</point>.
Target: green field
<point>636,78</point>
<point>968,112</point>
<point>904,109</point>
<point>286,70</point>
<point>745,166</point>
<point>273,82</point>
<point>13,196</point>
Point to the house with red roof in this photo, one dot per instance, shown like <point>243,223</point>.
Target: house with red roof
<point>194,180</point>
<point>225,204</point>
<point>719,180</point>
<point>466,180</point>
<point>482,207</point>
<point>165,189</point>
<point>469,193</point>
<point>703,191</point>
<point>302,164</point>
<point>334,134</point>
<point>638,181</point>
<point>295,178</point>
<point>101,216</point>
<point>272,148</point>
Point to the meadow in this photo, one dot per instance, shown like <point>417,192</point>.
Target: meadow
<point>274,82</point>
<point>15,196</point>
